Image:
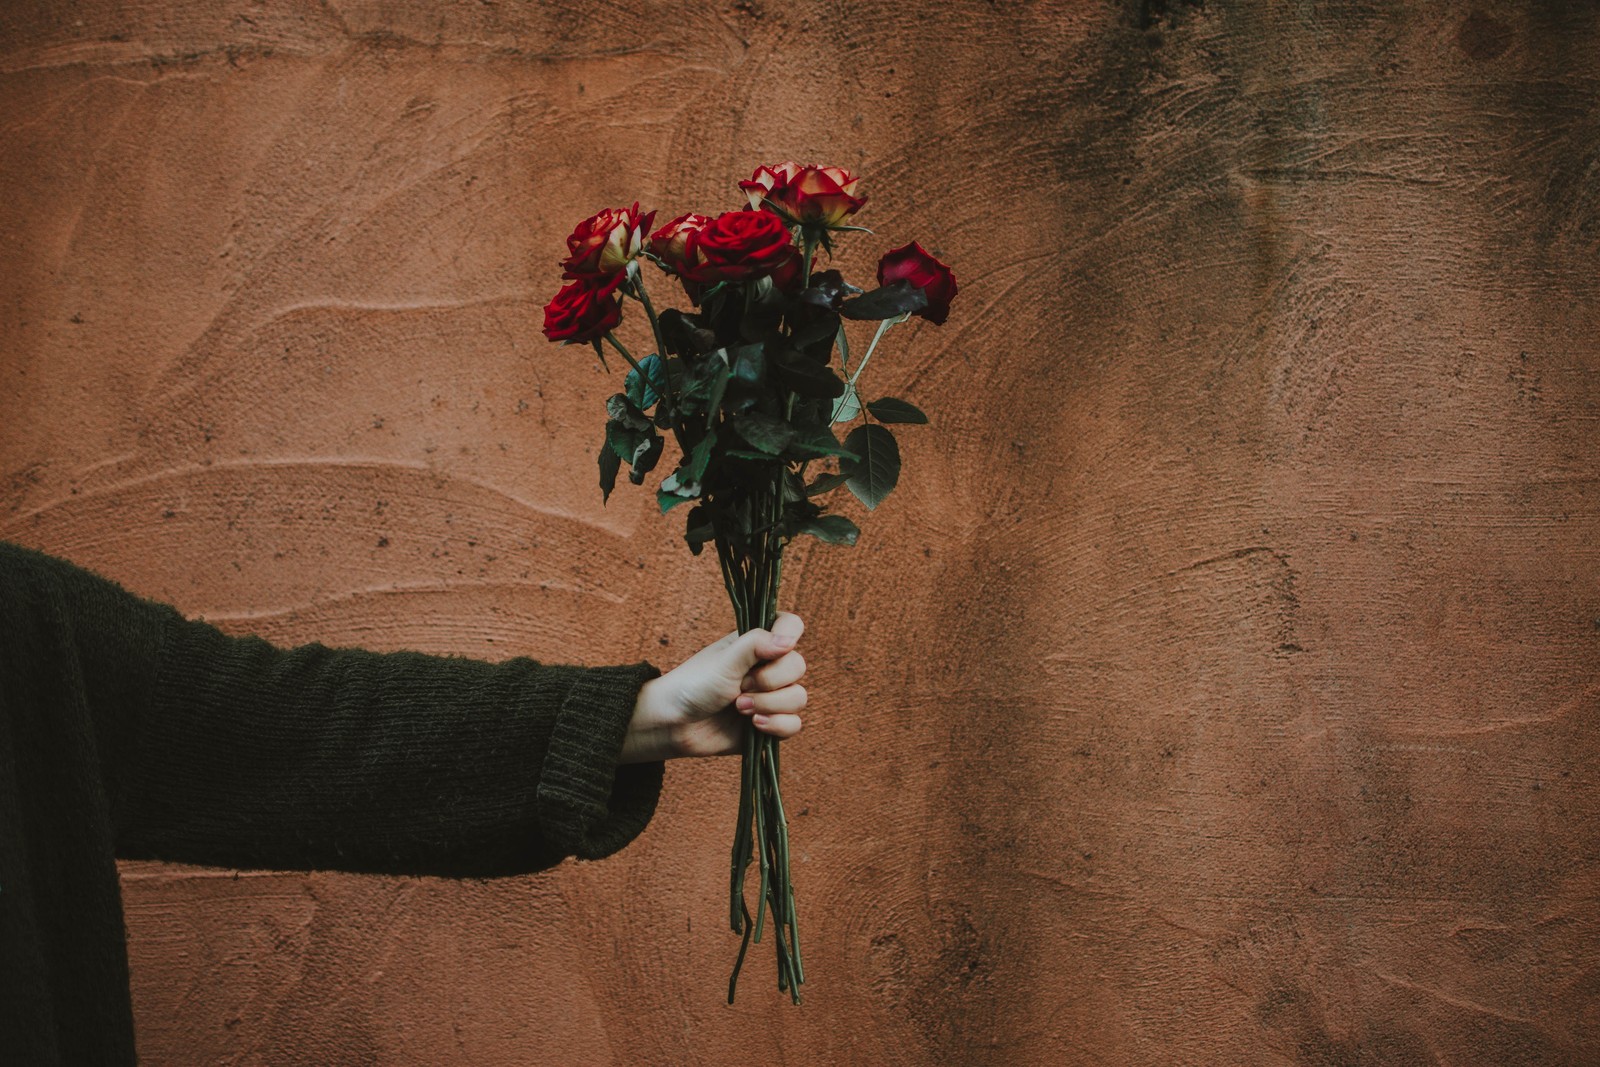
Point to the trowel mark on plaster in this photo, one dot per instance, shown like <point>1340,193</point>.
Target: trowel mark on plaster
<point>297,545</point>
<point>403,589</point>
<point>1278,578</point>
<point>324,462</point>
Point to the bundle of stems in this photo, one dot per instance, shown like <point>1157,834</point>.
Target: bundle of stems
<point>762,832</point>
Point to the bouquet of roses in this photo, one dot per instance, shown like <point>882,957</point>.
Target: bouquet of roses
<point>748,387</point>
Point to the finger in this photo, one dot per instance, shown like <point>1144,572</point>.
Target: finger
<point>788,700</point>
<point>785,670</point>
<point>787,629</point>
<point>780,726</point>
<point>760,645</point>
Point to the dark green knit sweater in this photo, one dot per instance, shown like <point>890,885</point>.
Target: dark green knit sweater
<point>128,731</point>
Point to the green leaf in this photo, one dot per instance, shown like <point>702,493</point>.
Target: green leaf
<point>827,289</point>
<point>645,458</point>
<point>676,485</point>
<point>644,392</point>
<point>848,406</point>
<point>624,409</point>
<point>610,463</point>
<point>834,529</point>
<point>822,326</point>
<point>749,363</point>
<point>685,481</point>
<point>766,432</point>
<point>794,489</point>
<point>762,311</point>
<point>624,440</point>
<point>685,335</point>
<point>886,302</point>
<point>745,453</point>
<point>719,385</point>
<point>702,371</point>
<point>827,483</point>
<point>877,472</point>
<point>694,467</point>
<point>810,379</point>
<point>666,501</point>
<point>893,409</point>
<point>814,442</point>
<point>698,529</point>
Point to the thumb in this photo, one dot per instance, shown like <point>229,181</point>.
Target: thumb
<point>758,646</point>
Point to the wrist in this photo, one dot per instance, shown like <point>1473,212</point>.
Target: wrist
<point>651,735</point>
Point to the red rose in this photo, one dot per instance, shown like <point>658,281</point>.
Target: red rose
<point>584,310</point>
<point>670,244</point>
<point>786,275</point>
<point>736,246</point>
<point>913,264</point>
<point>767,178</point>
<point>810,194</point>
<point>603,244</point>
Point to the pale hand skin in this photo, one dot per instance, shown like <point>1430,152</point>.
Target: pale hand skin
<point>698,708</point>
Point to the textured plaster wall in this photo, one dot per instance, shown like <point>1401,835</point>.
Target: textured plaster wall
<point>1220,686</point>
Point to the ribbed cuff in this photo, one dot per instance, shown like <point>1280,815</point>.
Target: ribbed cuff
<point>589,805</point>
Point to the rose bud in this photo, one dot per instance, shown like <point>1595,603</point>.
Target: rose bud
<point>670,244</point>
<point>816,195</point>
<point>584,310</point>
<point>736,246</point>
<point>605,243</point>
<point>767,178</point>
<point>914,264</point>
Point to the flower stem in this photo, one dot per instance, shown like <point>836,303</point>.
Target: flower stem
<point>752,574</point>
<point>618,346</point>
<point>637,278</point>
<point>883,328</point>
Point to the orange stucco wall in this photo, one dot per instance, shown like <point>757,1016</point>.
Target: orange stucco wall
<point>1219,687</point>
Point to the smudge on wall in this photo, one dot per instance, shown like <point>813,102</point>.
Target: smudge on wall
<point>1219,686</point>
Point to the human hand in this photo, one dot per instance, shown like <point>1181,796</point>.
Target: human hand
<point>698,707</point>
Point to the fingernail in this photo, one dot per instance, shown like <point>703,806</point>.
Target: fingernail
<point>760,720</point>
<point>785,640</point>
<point>745,703</point>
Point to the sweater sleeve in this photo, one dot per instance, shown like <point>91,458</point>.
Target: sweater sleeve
<point>244,754</point>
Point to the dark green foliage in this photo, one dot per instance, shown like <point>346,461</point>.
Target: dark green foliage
<point>834,529</point>
<point>644,391</point>
<point>877,470</point>
<point>748,386</point>
<point>893,409</point>
<point>765,433</point>
<point>610,463</point>
<point>809,378</point>
<point>886,302</point>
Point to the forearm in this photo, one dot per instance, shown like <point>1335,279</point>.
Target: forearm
<point>254,756</point>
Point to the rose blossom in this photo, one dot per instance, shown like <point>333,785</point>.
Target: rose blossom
<point>604,243</point>
<point>584,310</point>
<point>786,274</point>
<point>809,194</point>
<point>736,246</point>
<point>914,264</point>
<point>671,243</point>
